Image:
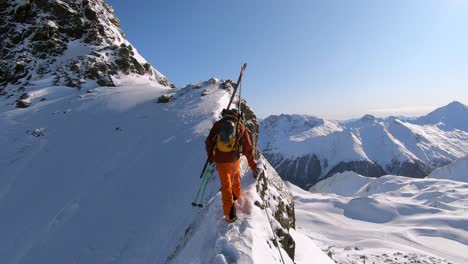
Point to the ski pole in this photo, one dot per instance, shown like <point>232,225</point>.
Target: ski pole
<point>201,185</point>
<point>207,178</point>
<point>204,168</point>
<point>206,175</point>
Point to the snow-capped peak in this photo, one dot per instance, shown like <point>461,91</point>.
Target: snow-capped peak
<point>449,117</point>
<point>368,118</point>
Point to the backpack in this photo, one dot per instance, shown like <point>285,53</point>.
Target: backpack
<point>226,139</point>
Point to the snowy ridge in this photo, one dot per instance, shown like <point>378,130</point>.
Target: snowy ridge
<point>306,149</point>
<point>343,183</point>
<point>391,219</point>
<point>457,171</point>
<point>248,240</point>
<point>108,175</point>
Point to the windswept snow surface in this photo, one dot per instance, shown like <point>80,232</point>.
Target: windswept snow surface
<point>108,176</point>
<point>391,219</point>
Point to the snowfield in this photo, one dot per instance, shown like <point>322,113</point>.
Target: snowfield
<point>107,175</point>
<point>392,219</point>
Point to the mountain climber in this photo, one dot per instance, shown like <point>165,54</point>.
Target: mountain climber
<point>223,146</point>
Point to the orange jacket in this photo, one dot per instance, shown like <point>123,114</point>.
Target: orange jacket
<point>226,157</point>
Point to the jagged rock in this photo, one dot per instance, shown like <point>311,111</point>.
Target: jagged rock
<point>60,10</point>
<point>24,96</point>
<point>90,14</point>
<point>105,82</point>
<point>24,13</point>
<point>35,33</point>
<point>165,98</point>
<point>252,126</point>
<point>37,132</point>
<point>23,101</point>
<point>163,81</point>
<point>228,84</point>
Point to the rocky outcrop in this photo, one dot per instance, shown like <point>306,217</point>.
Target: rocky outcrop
<point>73,43</point>
<point>252,126</point>
<point>279,200</point>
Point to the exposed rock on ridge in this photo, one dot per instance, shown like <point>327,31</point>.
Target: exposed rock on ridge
<point>71,43</point>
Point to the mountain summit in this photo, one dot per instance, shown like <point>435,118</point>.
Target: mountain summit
<point>66,43</point>
<point>449,117</point>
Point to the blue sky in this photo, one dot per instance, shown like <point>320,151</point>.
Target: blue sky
<point>333,59</point>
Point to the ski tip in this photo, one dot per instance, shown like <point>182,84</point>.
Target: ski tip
<point>243,68</point>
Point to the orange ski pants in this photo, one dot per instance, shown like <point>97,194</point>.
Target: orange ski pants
<point>227,187</point>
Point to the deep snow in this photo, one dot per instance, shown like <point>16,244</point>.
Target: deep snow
<point>392,219</point>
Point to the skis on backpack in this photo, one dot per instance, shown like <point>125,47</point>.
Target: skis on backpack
<point>207,162</point>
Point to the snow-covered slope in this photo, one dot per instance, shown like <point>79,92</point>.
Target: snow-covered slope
<point>391,219</point>
<point>305,149</point>
<point>457,171</point>
<point>108,175</point>
<point>100,174</point>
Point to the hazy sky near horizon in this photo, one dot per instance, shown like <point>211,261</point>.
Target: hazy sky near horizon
<point>333,59</point>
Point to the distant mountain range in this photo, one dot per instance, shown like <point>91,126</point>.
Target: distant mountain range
<point>306,149</point>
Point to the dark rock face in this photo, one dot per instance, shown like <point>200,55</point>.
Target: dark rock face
<point>252,126</point>
<point>23,101</point>
<point>412,169</point>
<point>72,41</point>
<point>362,167</point>
<point>303,172</point>
<point>165,98</point>
<point>308,170</point>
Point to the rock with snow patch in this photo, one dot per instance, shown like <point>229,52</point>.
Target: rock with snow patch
<point>73,43</point>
